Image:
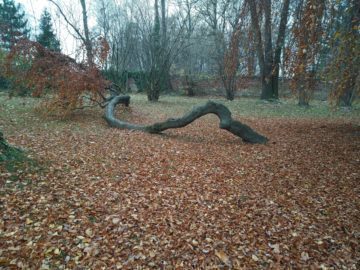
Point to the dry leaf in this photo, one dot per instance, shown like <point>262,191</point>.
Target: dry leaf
<point>89,232</point>
<point>28,221</point>
<point>304,256</point>
<point>223,257</point>
<point>115,220</point>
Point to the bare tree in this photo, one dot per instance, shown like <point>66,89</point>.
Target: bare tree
<point>231,58</point>
<point>269,59</point>
<point>87,41</point>
<point>84,34</point>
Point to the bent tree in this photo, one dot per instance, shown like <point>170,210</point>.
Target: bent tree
<point>84,86</point>
<point>226,121</point>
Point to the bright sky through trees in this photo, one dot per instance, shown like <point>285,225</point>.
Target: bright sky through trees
<point>33,10</point>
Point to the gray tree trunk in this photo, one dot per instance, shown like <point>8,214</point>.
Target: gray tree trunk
<point>279,45</point>
<point>226,122</point>
<point>267,87</point>
<point>268,62</point>
<point>165,69</point>
<point>153,89</point>
<point>88,44</point>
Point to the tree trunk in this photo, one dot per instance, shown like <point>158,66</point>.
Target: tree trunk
<point>346,98</point>
<point>154,82</point>
<point>268,62</point>
<point>257,35</point>
<point>189,86</point>
<point>264,56</point>
<point>88,44</point>
<point>352,70</point>
<point>163,25</point>
<point>226,122</point>
<point>165,79</point>
<point>230,88</point>
<point>250,54</point>
<point>231,64</point>
<point>279,44</point>
<point>303,100</point>
<point>267,87</point>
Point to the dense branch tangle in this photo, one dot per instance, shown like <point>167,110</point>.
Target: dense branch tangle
<point>226,122</point>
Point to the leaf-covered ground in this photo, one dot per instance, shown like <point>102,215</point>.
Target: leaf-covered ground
<point>193,198</point>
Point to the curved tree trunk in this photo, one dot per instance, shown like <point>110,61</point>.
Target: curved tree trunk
<point>226,122</point>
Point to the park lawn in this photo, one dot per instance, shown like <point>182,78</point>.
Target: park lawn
<point>191,198</point>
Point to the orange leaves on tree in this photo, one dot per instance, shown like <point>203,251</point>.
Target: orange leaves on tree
<point>71,85</point>
<point>307,35</point>
<point>343,69</point>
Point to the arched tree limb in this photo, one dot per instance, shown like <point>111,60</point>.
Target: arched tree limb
<point>226,122</point>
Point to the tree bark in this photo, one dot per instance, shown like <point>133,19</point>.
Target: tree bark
<point>267,87</point>
<point>165,80</point>
<point>85,39</point>
<point>231,64</point>
<point>250,58</point>
<point>88,44</point>
<point>154,87</point>
<point>279,44</point>
<point>258,37</point>
<point>268,62</point>
<point>163,24</point>
<point>226,122</point>
<point>231,57</point>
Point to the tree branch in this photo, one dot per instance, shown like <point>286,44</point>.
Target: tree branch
<point>68,22</point>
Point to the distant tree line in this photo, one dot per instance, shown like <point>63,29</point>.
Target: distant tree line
<point>304,41</point>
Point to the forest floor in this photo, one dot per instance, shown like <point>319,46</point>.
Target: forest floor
<point>191,198</point>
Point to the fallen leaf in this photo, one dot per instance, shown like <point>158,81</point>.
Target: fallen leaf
<point>28,221</point>
<point>275,247</point>
<point>223,257</point>
<point>115,220</point>
<point>305,256</point>
<point>152,254</point>
<point>89,232</point>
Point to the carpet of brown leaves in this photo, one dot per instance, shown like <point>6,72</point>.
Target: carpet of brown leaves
<point>193,198</point>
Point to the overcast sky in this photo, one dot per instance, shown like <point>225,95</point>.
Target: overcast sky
<point>34,8</point>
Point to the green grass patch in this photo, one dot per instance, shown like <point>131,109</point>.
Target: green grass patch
<point>17,112</point>
<point>248,107</point>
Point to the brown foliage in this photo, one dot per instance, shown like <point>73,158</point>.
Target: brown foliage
<point>343,69</point>
<point>68,82</point>
<point>307,34</point>
<point>231,63</point>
